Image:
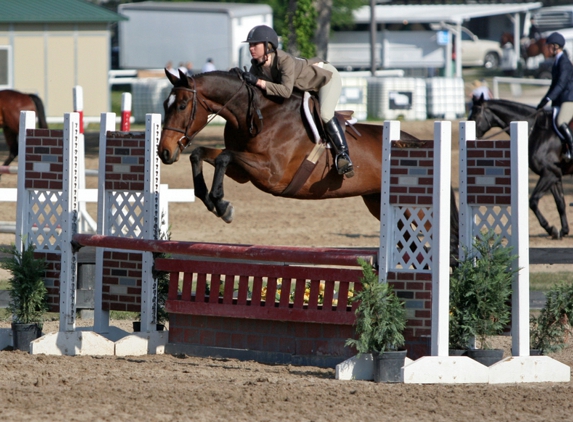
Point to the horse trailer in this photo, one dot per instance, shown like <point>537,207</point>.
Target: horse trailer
<point>157,33</point>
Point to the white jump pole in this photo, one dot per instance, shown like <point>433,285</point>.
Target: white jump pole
<point>520,238</point>
<point>86,222</point>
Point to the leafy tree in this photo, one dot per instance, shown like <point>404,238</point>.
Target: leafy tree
<point>301,26</point>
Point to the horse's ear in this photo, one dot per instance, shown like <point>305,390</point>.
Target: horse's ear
<point>172,77</point>
<point>481,98</point>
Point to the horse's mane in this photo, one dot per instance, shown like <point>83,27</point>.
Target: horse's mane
<point>518,108</point>
<point>234,76</point>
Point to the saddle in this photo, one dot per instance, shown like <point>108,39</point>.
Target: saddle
<point>311,107</point>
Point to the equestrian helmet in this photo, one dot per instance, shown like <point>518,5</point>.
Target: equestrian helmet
<point>263,33</point>
<point>556,38</point>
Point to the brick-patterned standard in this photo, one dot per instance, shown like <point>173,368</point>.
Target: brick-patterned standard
<point>411,184</point>
<point>44,171</point>
<point>124,172</point>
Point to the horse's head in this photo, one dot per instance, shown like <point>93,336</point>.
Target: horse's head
<point>183,117</point>
<point>480,114</point>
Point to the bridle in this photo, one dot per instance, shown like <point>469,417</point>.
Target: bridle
<point>500,123</point>
<point>205,105</point>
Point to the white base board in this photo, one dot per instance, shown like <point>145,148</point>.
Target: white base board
<point>462,370</point>
<point>72,343</point>
<point>89,343</point>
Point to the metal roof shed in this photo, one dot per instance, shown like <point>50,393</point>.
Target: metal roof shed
<point>450,17</point>
<point>48,47</point>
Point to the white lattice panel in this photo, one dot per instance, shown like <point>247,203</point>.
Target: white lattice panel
<point>496,218</point>
<point>125,214</point>
<point>44,220</point>
<point>412,239</point>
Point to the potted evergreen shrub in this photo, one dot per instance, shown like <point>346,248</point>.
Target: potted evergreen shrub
<point>28,294</point>
<point>550,329</point>
<point>380,324</point>
<point>481,300</point>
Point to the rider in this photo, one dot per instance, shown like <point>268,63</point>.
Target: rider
<point>560,92</point>
<point>277,73</point>
<point>534,32</point>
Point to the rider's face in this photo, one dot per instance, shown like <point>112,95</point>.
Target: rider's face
<point>257,50</point>
<point>554,49</point>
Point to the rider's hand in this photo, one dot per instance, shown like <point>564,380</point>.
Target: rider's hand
<point>542,103</point>
<point>250,78</point>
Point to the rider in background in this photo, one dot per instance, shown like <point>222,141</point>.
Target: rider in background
<point>277,72</point>
<point>534,32</point>
<point>560,92</point>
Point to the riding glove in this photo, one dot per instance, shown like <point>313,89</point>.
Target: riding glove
<point>542,103</point>
<point>250,78</point>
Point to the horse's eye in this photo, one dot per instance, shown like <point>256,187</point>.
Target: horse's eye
<point>183,105</point>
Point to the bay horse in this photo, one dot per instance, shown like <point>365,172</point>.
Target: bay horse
<point>532,50</point>
<point>545,151</point>
<point>11,104</point>
<point>266,140</point>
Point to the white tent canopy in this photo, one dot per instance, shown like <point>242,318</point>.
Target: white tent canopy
<point>446,15</point>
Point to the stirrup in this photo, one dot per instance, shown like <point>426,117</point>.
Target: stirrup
<point>567,155</point>
<point>346,168</point>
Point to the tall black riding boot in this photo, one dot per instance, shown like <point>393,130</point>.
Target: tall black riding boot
<point>338,142</point>
<point>566,131</point>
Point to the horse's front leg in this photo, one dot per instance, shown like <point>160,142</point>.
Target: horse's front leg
<point>241,166</point>
<point>559,197</point>
<point>197,157</point>
<point>546,182</point>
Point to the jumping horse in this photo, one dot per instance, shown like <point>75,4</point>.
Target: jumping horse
<point>266,140</point>
<point>11,104</point>
<point>545,151</point>
<point>532,50</point>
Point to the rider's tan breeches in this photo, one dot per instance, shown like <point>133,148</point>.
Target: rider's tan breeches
<point>565,113</point>
<point>329,94</point>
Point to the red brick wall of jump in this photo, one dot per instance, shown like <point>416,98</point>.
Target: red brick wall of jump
<point>489,172</point>
<point>44,171</point>
<point>411,184</point>
<point>124,172</point>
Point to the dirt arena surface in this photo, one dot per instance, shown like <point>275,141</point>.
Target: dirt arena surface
<point>180,388</point>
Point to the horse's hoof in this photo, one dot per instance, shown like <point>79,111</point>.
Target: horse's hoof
<point>229,214</point>
<point>555,235</point>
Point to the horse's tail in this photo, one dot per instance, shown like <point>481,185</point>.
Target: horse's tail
<point>42,122</point>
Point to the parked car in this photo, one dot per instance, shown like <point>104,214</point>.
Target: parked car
<point>476,52</point>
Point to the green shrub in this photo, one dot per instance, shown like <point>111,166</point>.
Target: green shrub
<point>28,293</point>
<point>380,315</point>
<point>550,329</point>
<point>480,290</point>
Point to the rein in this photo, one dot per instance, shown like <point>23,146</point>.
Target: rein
<point>506,127</point>
<point>192,118</point>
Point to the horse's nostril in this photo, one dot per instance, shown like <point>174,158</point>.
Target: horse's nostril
<point>165,155</point>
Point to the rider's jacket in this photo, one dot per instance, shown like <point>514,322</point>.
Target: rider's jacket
<point>561,89</point>
<point>288,72</point>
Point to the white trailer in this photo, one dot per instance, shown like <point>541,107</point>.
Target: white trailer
<point>157,32</point>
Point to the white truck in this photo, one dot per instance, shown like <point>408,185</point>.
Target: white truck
<point>157,33</point>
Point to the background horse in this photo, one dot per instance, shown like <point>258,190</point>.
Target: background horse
<point>534,49</point>
<point>11,104</point>
<point>267,148</point>
<point>545,150</point>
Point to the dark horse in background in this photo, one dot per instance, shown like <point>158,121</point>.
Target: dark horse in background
<point>265,149</point>
<point>11,104</point>
<point>532,50</point>
<point>545,150</point>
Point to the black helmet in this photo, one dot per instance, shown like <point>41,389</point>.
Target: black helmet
<point>263,33</point>
<point>556,38</point>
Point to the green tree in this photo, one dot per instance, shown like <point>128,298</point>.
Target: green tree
<point>301,26</point>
